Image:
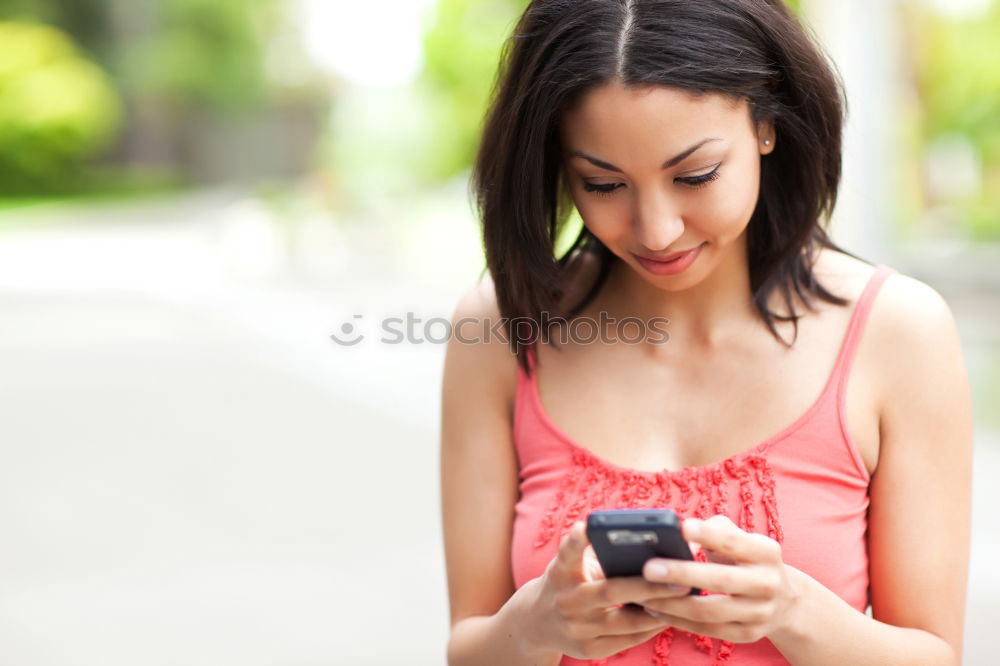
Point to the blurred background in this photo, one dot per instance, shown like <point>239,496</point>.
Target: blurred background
<point>196,194</point>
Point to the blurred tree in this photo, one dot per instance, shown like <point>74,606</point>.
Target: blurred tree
<point>85,20</point>
<point>201,84</point>
<point>461,52</point>
<point>209,53</point>
<point>56,108</point>
<point>958,70</point>
<point>205,51</point>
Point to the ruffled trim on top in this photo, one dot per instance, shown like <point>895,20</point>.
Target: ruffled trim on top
<point>701,492</point>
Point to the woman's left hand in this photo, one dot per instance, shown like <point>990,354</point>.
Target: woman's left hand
<point>756,593</point>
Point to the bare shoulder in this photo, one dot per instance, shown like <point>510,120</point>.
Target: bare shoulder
<point>911,339</point>
<point>909,322</point>
<point>902,301</point>
<point>925,460</point>
<point>909,317</point>
<point>911,372</point>
<point>479,474</point>
<point>474,341</point>
<point>842,274</point>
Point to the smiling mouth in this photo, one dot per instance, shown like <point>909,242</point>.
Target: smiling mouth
<point>670,257</point>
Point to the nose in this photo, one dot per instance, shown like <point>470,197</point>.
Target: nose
<point>657,221</point>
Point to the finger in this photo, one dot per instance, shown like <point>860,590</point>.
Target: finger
<point>721,535</point>
<point>569,562</point>
<point>736,632</point>
<point>737,580</point>
<point>592,570</point>
<point>623,621</point>
<point>610,645</point>
<point>694,627</point>
<point>714,608</point>
<point>613,591</point>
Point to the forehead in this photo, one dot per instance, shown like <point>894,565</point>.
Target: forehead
<point>614,115</point>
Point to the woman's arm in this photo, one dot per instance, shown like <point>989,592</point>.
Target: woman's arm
<point>479,485</point>
<point>571,609</point>
<point>918,524</point>
<point>919,517</point>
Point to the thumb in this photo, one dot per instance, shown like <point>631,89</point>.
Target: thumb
<point>591,566</point>
<point>569,559</point>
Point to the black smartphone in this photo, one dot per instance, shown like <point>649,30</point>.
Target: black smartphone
<point>624,539</point>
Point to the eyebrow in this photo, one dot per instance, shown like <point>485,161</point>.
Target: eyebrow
<point>673,161</point>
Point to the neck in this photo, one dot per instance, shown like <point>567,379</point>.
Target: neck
<point>706,316</point>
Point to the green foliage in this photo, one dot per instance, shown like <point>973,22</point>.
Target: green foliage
<point>41,10</point>
<point>204,52</point>
<point>56,107</point>
<point>959,76</point>
<point>85,20</point>
<point>461,53</point>
<point>208,53</point>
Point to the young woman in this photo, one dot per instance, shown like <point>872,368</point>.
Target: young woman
<point>806,413</point>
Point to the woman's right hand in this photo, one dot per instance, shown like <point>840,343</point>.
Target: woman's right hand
<point>574,610</point>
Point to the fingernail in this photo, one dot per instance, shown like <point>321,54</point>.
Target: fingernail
<point>694,528</point>
<point>656,569</point>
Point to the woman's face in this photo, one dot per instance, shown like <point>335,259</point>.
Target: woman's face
<point>657,171</point>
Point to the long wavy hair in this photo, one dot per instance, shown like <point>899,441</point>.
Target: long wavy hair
<point>745,49</point>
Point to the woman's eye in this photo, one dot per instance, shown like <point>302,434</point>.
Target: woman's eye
<point>702,180</point>
<point>607,189</point>
<point>603,190</point>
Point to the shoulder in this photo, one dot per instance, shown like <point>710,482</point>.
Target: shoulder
<point>914,340</point>
<point>910,330</point>
<point>478,307</point>
<point>902,304</point>
<point>478,342</point>
<point>911,319</point>
<point>479,471</point>
<point>925,430</point>
<point>842,274</point>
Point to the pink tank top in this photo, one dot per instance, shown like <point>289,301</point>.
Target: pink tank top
<point>806,487</point>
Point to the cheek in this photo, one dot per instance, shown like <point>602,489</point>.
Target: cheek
<point>728,208</point>
<point>726,212</point>
<point>606,218</point>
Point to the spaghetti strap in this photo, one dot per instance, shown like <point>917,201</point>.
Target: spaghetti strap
<point>858,320</point>
<point>805,487</point>
<point>849,343</point>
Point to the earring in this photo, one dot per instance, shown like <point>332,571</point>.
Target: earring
<point>767,142</point>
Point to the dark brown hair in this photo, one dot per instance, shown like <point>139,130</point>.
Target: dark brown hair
<point>745,49</point>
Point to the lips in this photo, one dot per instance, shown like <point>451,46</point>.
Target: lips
<point>676,262</point>
<point>667,257</point>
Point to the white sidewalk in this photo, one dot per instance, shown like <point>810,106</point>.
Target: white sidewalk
<point>193,473</point>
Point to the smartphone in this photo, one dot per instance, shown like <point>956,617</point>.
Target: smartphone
<point>624,539</point>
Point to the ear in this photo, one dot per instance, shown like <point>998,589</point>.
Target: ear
<point>765,137</point>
